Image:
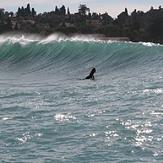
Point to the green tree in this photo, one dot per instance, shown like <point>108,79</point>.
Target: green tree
<point>56,10</point>
<point>19,12</point>
<point>33,12</point>
<point>28,10</point>
<point>22,11</point>
<point>83,9</point>
<point>68,11</point>
<point>62,10</point>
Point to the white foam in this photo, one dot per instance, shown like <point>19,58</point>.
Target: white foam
<point>54,37</point>
<point>6,118</point>
<point>150,44</point>
<point>64,117</point>
<point>92,135</point>
<point>156,91</point>
<point>25,137</point>
<point>24,39</point>
<point>17,38</point>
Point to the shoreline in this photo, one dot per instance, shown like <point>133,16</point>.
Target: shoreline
<point>101,37</point>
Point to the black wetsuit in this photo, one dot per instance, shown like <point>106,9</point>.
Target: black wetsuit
<point>91,75</point>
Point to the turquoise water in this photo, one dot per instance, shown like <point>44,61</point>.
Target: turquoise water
<point>48,115</point>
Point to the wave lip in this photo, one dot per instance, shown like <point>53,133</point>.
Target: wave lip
<point>25,39</point>
<point>56,37</point>
<point>17,38</point>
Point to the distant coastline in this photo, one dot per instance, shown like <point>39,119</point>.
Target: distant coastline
<point>105,38</point>
<point>101,37</point>
<point>138,26</point>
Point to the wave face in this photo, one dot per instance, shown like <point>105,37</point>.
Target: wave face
<point>48,115</point>
<point>57,54</point>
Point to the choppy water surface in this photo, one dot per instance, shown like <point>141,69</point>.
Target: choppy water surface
<point>48,115</point>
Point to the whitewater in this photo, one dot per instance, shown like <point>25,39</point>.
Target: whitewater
<point>47,114</point>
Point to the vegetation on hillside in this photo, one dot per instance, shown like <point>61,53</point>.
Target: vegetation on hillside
<point>137,26</point>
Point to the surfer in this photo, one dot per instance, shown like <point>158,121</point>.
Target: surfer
<point>91,75</point>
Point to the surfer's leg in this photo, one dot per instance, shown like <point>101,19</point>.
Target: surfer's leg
<point>88,77</point>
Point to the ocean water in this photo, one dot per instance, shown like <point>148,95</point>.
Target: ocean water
<point>47,114</point>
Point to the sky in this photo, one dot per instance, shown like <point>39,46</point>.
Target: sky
<point>112,7</point>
